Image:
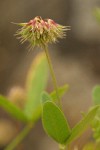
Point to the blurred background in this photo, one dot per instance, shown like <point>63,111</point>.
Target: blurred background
<point>76,61</point>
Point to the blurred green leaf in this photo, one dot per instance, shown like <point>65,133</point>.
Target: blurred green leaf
<point>89,146</point>
<point>96,13</point>
<point>96,120</point>
<point>96,127</point>
<point>12,109</point>
<point>36,83</point>
<point>97,146</point>
<point>61,91</point>
<point>54,122</point>
<point>96,95</point>
<point>53,96</point>
<point>45,97</point>
<point>83,124</point>
<point>92,146</point>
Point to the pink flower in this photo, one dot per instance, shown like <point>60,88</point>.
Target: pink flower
<point>40,32</point>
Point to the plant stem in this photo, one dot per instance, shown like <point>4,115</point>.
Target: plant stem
<point>52,74</point>
<point>19,137</point>
<point>62,147</point>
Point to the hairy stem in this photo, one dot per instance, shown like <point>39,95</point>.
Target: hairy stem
<point>19,137</point>
<point>52,74</point>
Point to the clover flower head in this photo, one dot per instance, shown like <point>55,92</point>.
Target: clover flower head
<point>40,32</point>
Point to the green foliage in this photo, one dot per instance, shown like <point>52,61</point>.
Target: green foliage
<point>89,146</point>
<point>96,128</point>
<point>61,92</point>
<point>97,14</point>
<point>12,109</point>
<point>96,121</point>
<point>54,122</point>
<point>36,82</point>
<point>83,124</point>
<point>96,95</point>
<point>45,97</point>
<point>92,146</point>
<point>53,96</point>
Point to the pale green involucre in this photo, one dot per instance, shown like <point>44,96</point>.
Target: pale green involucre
<point>39,32</point>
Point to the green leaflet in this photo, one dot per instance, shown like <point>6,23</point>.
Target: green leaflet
<point>96,120</point>
<point>12,109</point>
<point>36,83</point>
<point>96,127</point>
<point>61,92</point>
<point>83,124</point>
<point>54,122</point>
<point>45,97</point>
<point>96,95</point>
<point>53,96</point>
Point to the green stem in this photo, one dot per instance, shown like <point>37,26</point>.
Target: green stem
<point>19,137</point>
<point>52,73</point>
<point>62,147</point>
